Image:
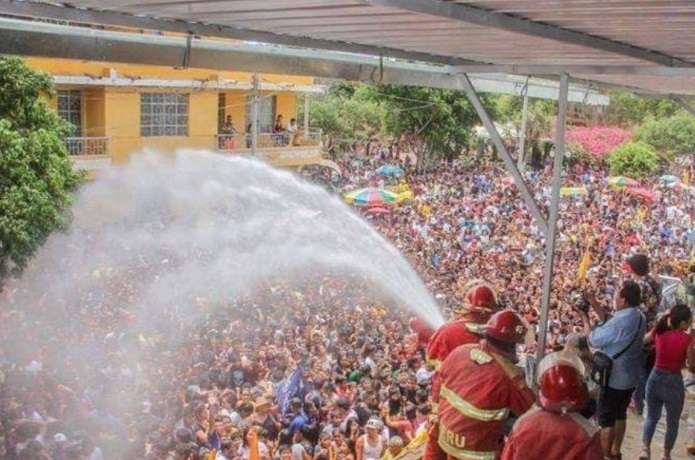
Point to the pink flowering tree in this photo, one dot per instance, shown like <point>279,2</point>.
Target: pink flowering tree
<point>599,140</point>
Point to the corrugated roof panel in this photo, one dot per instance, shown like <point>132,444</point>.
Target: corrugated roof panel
<point>667,26</point>
<point>633,33</point>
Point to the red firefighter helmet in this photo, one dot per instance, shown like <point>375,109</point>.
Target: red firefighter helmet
<point>481,297</point>
<point>477,296</point>
<point>506,327</point>
<point>562,388</point>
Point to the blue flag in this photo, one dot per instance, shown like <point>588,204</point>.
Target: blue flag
<point>289,389</point>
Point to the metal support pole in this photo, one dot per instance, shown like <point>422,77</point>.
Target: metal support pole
<point>521,163</point>
<point>553,214</point>
<point>526,194</point>
<point>685,105</point>
<point>254,114</point>
<point>306,114</point>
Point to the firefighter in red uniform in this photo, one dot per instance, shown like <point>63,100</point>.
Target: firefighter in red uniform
<point>479,304</point>
<point>556,429</point>
<point>480,388</point>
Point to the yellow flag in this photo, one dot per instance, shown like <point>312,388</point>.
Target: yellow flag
<point>584,265</point>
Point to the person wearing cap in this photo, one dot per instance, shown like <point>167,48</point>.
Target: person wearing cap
<point>372,443</point>
<point>262,417</point>
<point>480,388</point>
<point>478,304</point>
<point>555,429</point>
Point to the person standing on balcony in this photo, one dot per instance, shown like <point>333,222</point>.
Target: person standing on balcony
<point>249,133</point>
<point>293,133</point>
<point>278,129</point>
<point>228,134</point>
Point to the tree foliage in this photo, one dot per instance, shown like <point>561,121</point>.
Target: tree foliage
<point>540,115</point>
<point>437,123</point>
<point>36,176</point>
<point>672,136</point>
<point>539,122</point>
<point>347,112</point>
<point>628,110</point>
<point>633,159</point>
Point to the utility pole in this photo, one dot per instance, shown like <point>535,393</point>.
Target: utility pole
<point>254,114</point>
<point>521,161</point>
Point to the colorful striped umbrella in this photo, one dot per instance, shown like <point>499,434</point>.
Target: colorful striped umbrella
<point>371,197</point>
<point>622,181</point>
<point>573,191</point>
<point>642,193</point>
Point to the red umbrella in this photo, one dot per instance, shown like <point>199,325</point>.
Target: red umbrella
<point>642,193</point>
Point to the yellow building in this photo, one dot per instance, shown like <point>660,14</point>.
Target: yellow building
<point>121,109</point>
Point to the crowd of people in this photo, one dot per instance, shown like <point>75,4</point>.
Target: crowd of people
<point>317,369</point>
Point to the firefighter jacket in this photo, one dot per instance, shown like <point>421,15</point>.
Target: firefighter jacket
<point>447,338</point>
<point>479,390</point>
<point>541,434</point>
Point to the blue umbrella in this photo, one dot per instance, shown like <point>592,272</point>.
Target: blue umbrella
<point>389,170</point>
<point>668,179</point>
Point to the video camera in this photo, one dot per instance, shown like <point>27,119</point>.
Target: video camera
<point>579,300</point>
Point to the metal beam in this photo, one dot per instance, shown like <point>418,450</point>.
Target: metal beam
<point>474,15</point>
<point>50,40</point>
<point>306,114</point>
<point>646,70</point>
<point>685,105</point>
<point>553,215</point>
<point>254,114</point>
<point>184,83</point>
<point>526,194</point>
<point>521,162</point>
<point>30,9</point>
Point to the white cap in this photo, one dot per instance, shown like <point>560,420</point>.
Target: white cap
<point>60,437</point>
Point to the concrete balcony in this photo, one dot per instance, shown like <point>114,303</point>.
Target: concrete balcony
<point>281,149</point>
<point>89,153</point>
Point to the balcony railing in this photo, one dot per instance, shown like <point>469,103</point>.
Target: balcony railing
<point>83,146</point>
<point>264,141</point>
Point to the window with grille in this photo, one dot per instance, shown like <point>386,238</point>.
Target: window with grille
<point>70,109</point>
<point>266,112</point>
<point>163,114</point>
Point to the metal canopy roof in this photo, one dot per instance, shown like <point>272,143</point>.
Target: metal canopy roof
<point>638,38</point>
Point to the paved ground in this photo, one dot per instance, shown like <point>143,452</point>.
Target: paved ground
<point>633,439</point>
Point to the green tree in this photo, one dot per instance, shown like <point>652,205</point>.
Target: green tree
<point>539,122</point>
<point>626,109</point>
<point>672,136</point>
<point>347,112</point>
<point>437,123</point>
<point>36,175</point>
<point>633,159</point>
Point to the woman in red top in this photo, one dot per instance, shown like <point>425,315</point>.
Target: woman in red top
<point>674,348</point>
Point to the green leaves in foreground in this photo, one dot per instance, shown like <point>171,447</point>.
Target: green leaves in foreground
<point>36,175</point>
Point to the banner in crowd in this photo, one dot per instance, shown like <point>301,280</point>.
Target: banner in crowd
<point>289,389</point>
